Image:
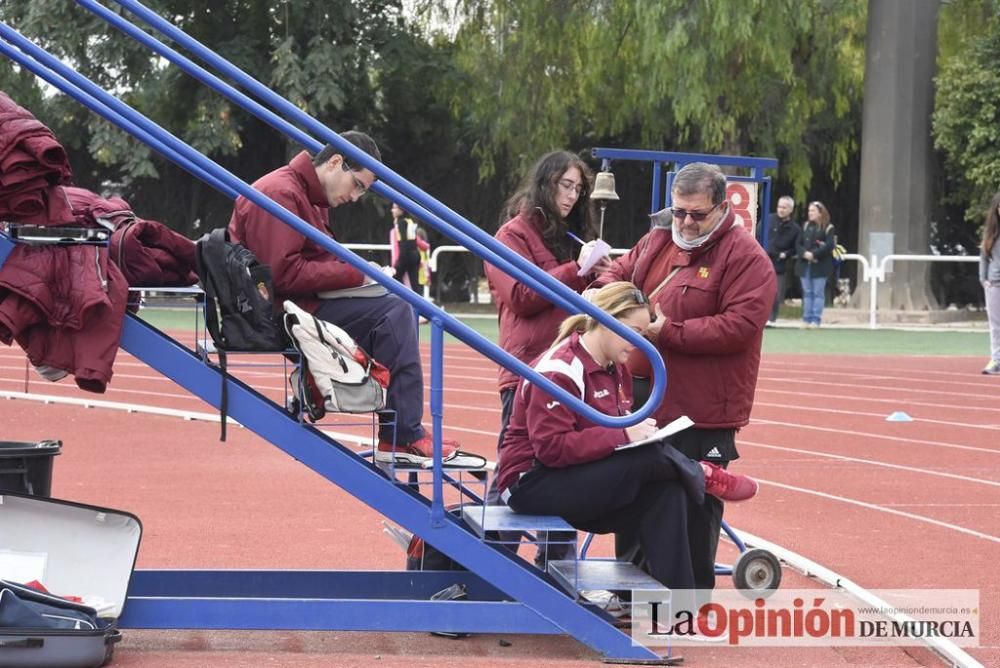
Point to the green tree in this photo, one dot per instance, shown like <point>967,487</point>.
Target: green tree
<point>757,77</point>
<point>320,55</point>
<point>966,119</point>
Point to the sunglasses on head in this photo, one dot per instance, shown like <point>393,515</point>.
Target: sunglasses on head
<point>640,298</point>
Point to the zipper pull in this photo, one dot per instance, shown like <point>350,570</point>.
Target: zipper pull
<point>97,265</point>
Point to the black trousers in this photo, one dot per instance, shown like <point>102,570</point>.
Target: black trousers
<point>643,493</point>
<point>563,543</point>
<point>779,294</point>
<point>408,264</point>
<point>717,446</point>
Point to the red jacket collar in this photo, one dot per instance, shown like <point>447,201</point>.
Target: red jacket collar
<point>590,365</point>
<point>303,166</point>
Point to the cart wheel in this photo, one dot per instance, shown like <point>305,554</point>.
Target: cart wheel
<point>757,572</point>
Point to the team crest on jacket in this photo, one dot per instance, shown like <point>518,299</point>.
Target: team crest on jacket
<point>703,272</point>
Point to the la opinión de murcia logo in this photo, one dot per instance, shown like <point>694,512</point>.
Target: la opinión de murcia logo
<point>804,619</point>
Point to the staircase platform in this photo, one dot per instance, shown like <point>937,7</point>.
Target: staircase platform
<point>502,518</point>
<point>589,574</point>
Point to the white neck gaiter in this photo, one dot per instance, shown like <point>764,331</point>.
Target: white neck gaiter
<point>684,244</point>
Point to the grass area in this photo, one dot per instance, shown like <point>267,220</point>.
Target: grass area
<point>836,341</point>
<point>171,318</point>
<point>778,340</point>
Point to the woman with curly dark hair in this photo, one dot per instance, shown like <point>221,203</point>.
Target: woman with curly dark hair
<point>545,221</point>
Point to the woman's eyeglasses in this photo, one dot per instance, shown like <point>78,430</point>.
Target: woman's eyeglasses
<point>570,186</point>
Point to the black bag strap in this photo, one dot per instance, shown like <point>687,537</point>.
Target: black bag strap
<point>333,353</point>
<point>207,256</point>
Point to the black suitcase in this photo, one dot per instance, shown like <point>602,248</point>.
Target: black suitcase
<point>74,550</point>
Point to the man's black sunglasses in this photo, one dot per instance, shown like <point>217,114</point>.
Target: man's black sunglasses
<point>696,216</point>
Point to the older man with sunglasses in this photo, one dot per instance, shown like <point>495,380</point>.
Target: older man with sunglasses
<point>309,186</point>
<point>712,287</point>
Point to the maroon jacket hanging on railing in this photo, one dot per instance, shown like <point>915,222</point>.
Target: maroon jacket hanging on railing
<point>64,306</point>
<point>148,252</point>
<point>31,160</point>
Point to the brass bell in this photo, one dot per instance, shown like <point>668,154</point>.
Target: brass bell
<point>604,187</point>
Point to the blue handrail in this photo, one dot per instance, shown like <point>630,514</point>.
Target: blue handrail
<point>91,95</point>
<point>284,126</point>
<point>440,216</point>
<point>470,235</point>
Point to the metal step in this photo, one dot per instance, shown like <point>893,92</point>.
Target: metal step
<point>590,574</point>
<point>502,518</point>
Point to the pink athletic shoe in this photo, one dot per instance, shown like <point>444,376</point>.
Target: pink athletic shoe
<point>415,453</point>
<point>731,487</point>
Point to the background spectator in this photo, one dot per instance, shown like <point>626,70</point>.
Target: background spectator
<point>815,262</point>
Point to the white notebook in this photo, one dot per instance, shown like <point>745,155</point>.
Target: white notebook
<point>680,424</point>
<point>600,251</point>
<point>366,290</point>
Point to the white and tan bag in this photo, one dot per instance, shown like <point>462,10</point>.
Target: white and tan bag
<point>336,374</point>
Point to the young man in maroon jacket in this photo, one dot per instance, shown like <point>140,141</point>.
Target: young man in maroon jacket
<point>383,326</point>
<point>713,287</point>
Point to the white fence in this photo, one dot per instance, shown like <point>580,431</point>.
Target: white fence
<point>873,269</point>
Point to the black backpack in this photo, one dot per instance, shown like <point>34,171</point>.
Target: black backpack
<point>239,302</point>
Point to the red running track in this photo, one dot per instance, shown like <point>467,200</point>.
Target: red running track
<point>888,505</point>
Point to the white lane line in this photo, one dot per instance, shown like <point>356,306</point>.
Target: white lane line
<point>898,439</point>
<point>894,402</point>
<point>883,389</point>
<point>114,405</point>
<point>111,391</point>
<point>466,367</point>
<point>467,430</point>
<point>880,416</point>
<point>187,415</point>
<point>918,374</point>
<point>941,505</point>
<point>872,462</point>
<point>883,509</point>
<point>943,646</point>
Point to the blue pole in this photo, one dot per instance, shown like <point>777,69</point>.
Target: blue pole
<point>470,235</point>
<point>654,204</point>
<point>682,158</point>
<point>287,128</point>
<point>474,238</point>
<point>437,414</point>
<point>766,211</point>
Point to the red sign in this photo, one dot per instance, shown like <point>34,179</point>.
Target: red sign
<point>742,196</point>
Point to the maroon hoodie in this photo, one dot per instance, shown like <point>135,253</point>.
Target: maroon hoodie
<point>528,321</point>
<point>543,429</point>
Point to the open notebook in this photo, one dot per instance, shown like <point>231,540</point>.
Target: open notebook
<point>680,424</point>
<point>366,290</point>
<point>599,252</point>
